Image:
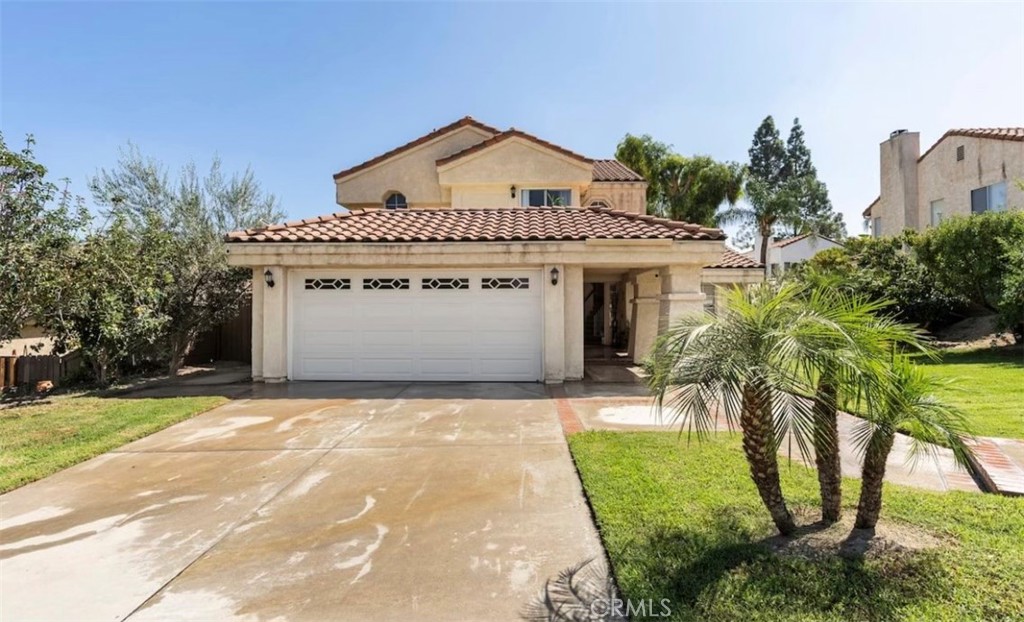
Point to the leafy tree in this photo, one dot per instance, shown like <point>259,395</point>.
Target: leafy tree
<point>679,187</point>
<point>108,297</point>
<point>740,362</point>
<point>39,225</point>
<point>885,269</point>
<point>694,188</point>
<point>646,156</point>
<point>975,255</point>
<point>1011,307</point>
<point>907,405</point>
<point>199,289</point>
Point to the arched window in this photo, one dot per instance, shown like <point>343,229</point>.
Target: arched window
<point>395,200</point>
<point>599,203</point>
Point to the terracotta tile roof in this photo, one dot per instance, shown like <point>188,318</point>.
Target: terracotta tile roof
<point>867,212</point>
<point>478,225</point>
<point>1000,133</point>
<point>797,238</point>
<point>441,131</point>
<point>613,170</point>
<point>995,133</point>
<point>507,134</point>
<point>732,259</point>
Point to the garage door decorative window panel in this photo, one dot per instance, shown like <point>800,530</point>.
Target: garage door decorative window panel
<point>316,284</point>
<point>505,283</point>
<point>445,283</point>
<point>381,284</point>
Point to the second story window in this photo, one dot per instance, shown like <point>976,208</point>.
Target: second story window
<point>546,198</point>
<point>938,211</point>
<point>395,200</point>
<point>876,226</point>
<point>989,198</point>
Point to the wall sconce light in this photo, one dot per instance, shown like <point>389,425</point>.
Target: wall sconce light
<point>554,276</point>
<point>268,276</point>
<point>513,191</point>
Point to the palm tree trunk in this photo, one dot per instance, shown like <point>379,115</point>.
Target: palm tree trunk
<point>826,451</point>
<point>870,504</point>
<point>758,445</point>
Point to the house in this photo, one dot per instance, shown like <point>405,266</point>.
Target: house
<point>783,254</point>
<point>967,171</point>
<point>473,253</point>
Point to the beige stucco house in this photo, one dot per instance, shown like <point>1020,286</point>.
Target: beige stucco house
<point>968,171</point>
<point>473,253</point>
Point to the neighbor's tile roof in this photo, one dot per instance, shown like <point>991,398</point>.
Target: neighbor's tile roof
<point>613,170</point>
<point>503,136</point>
<point>441,131</point>
<point>478,225</point>
<point>732,259</point>
<point>994,133</point>
<point>867,212</point>
<point>999,133</point>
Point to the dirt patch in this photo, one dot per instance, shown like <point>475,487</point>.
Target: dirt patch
<point>973,332</point>
<point>815,540</point>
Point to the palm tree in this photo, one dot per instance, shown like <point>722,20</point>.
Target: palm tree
<point>736,362</point>
<point>907,404</point>
<point>841,338</point>
<point>766,209</point>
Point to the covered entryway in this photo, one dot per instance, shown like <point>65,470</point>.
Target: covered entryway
<point>482,325</point>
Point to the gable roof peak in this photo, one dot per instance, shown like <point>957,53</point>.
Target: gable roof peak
<point>466,121</point>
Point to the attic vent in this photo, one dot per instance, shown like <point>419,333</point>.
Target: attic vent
<point>959,153</point>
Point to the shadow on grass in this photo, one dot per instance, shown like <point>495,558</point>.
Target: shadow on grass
<point>718,571</point>
<point>1003,356</point>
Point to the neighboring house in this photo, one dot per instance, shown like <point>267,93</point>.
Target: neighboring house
<point>473,253</point>
<point>31,340</point>
<point>783,254</point>
<point>968,171</point>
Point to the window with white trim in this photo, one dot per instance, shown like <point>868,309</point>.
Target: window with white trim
<point>938,208</point>
<point>396,200</point>
<point>989,198</point>
<point>545,197</point>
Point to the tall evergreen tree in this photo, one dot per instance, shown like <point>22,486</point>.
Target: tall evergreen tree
<point>815,209</point>
<point>770,189</point>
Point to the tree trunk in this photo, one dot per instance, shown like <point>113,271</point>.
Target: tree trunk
<point>826,451</point>
<point>758,445</point>
<point>870,504</point>
<point>765,237</point>
<point>180,346</point>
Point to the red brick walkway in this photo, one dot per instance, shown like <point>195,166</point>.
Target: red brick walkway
<point>996,467</point>
<point>571,423</point>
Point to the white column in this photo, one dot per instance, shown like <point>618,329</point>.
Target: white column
<point>554,324</point>
<point>606,334</point>
<point>275,327</point>
<point>257,324</point>
<point>680,294</point>
<point>644,325</point>
<point>573,322</point>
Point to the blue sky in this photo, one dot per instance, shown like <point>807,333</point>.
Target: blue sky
<point>301,90</point>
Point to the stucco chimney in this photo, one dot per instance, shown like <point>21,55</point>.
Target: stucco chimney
<point>898,161</point>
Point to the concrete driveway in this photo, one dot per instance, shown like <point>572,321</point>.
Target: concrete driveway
<point>318,501</point>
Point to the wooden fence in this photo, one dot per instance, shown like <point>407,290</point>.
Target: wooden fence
<point>25,371</point>
<point>231,341</point>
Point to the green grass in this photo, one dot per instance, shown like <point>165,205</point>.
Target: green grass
<point>684,522</point>
<point>989,386</point>
<point>40,439</point>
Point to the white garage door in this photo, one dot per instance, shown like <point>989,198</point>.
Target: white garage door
<point>416,325</point>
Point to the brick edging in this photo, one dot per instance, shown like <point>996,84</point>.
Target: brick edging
<point>567,416</point>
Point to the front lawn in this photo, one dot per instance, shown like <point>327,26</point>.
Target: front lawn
<point>988,385</point>
<point>40,439</point>
<point>684,522</point>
